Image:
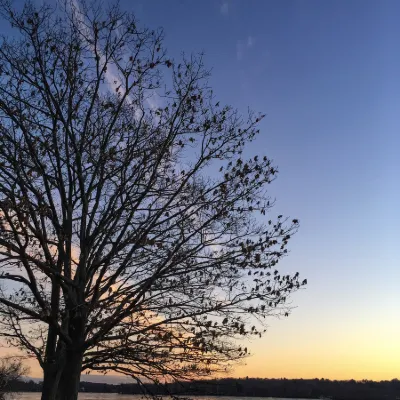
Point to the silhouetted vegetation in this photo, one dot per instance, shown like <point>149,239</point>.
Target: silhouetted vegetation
<point>249,387</point>
<point>11,369</point>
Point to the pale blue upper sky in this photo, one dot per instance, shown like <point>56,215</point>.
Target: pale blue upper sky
<point>327,74</point>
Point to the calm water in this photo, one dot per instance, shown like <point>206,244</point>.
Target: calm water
<point>112,396</point>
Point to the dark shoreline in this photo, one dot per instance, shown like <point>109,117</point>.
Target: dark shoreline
<point>248,387</point>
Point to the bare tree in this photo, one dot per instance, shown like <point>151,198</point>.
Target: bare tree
<point>134,235</point>
<point>11,369</point>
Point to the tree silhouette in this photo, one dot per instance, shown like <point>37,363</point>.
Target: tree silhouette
<point>133,232</point>
<point>11,370</point>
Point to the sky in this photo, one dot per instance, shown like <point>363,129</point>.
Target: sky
<point>327,75</point>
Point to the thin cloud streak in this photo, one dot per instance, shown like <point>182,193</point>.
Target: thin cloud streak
<point>243,45</point>
<point>224,9</point>
<point>250,41</point>
<point>111,75</point>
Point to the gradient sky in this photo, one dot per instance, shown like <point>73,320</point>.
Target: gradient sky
<point>327,74</point>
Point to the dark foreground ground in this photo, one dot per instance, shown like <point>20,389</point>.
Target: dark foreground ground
<point>287,388</point>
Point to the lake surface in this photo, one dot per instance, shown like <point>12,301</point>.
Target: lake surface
<point>114,396</point>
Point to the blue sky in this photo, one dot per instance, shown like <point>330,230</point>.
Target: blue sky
<point>326,73</point>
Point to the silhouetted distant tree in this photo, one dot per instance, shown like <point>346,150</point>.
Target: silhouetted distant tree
<point>287,388</point>
<point>11,369</point>
<point>133,231</point>
<point>284,388</point>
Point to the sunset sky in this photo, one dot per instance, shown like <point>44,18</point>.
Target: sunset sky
<point>327,74</point>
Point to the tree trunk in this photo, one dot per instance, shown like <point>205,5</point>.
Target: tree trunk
<point>68,386</point>
<point>61,379</point>
<point>51,379</point>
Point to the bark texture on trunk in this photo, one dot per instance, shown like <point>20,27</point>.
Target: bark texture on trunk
<point>68,386</point>
<point>51,379</point>
<point>63,373</point>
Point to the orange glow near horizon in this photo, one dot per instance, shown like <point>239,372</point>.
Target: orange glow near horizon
<point>285,353</point>
<point>342,343</point>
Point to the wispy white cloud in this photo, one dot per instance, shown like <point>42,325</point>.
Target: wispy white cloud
<point>224,8</point>
<point>239,49</point>
<point>111,76</point>
<point>243,45</point>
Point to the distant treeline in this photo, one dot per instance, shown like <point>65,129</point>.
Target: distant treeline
<point>289,388</point>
